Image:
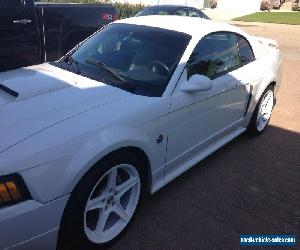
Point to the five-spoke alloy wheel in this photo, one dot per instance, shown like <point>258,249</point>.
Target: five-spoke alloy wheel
<point>111,203</point>
<point>103,203</point>
<point>265,110</point>
<point>262,112</point>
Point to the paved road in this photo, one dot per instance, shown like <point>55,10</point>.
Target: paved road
<point>251,186</point>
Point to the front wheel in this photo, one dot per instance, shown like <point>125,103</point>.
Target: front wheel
<point>103,204</point>
<point>262,112</point>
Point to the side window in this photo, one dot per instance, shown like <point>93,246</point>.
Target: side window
<point>180,12</point>
<point>10,3</point>
<point>245,51</point>
<point>214,55</point>
<point>193,13</point>
<point>162,12</point>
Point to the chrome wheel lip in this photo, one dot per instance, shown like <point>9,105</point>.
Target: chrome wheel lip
<point>265,110</point>
<point>110,202</point>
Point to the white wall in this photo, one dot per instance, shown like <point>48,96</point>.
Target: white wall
<point>239,4</point>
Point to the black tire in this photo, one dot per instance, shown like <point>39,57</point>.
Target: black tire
<point>72,234</point>
<point>252,129</point>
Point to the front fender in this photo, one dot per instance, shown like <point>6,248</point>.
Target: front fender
<point>53,160</point>
<point>103,144</point>
<point>58,168</point>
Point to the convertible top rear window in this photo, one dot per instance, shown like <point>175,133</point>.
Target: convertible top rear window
<point>136,58</point>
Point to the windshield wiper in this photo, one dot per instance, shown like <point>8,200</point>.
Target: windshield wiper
<point>113,72</point>
<point>68,59</point>
<point>102,65</point>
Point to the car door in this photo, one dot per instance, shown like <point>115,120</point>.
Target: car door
<point>199,120</point>
<point>19,40</point>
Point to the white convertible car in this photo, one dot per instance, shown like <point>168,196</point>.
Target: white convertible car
<point>124,113</point>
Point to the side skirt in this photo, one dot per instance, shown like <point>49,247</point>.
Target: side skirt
<point>208,150</point>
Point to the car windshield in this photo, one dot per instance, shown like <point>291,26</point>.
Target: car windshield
<point>136,58</point>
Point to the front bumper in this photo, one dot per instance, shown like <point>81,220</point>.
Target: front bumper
<point>31,225</point>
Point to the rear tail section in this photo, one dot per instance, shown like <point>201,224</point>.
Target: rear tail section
<point>272,48</point>
<point>267,43</point>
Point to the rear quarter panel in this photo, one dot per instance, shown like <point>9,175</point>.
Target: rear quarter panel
<point>268,65</point>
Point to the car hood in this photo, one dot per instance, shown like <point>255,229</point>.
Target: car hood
<point>25,83</point>
<point>35,98</point>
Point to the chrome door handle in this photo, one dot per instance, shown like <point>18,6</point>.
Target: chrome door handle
<point>23,21</point>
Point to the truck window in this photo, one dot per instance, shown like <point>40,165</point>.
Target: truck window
<point>10,3</point>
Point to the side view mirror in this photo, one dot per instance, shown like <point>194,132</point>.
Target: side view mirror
<point>197,83</point>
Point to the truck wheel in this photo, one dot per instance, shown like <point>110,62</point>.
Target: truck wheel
<point>262,112</point>
<point>103,203</point>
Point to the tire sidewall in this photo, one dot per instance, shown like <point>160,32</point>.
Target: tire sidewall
<point>252,127</point>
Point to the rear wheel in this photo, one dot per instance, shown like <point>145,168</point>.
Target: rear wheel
<point>103,204</point>
<point>262,112</point>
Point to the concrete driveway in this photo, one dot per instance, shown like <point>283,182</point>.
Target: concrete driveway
<point>251,186</point>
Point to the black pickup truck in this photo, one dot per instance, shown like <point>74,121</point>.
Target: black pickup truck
<point>32,33</point>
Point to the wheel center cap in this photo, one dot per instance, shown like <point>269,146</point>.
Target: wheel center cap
<point>110,199</point>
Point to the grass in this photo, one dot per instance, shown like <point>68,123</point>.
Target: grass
<point>272,17</point>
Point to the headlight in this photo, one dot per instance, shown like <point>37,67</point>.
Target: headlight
<point>12,190</point>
